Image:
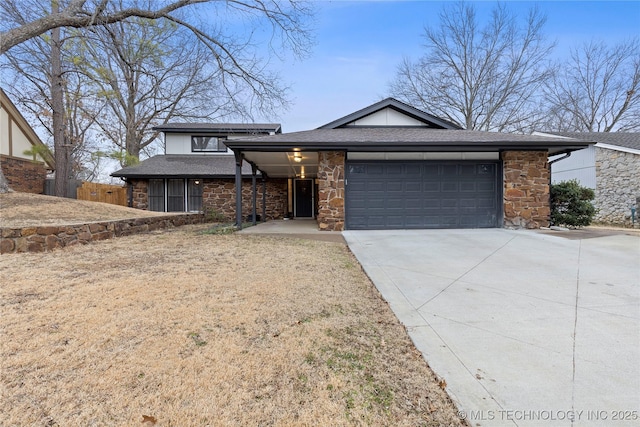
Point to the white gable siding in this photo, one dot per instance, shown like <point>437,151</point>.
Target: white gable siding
<point>13,142</point>
<point>581,165</point>
<point>386,117</point>
<point>4,132</point>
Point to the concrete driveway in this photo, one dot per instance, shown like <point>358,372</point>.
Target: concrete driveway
<point>526,328</point>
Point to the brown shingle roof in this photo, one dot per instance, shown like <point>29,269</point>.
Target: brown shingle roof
<point>184,166</point>
<point>622,139</point>
<point>404,139</point>
<point>227,128</point>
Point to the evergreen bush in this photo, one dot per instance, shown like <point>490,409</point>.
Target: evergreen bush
<point>571,204</point>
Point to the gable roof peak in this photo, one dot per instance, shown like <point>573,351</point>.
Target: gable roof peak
<point>429,120</point>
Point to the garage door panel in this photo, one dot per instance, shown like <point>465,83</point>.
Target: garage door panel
<point>421,195</point>
<point>413,203</point>
<point>467,171</point>
<point>413,169</point>
<point>468,187</point>
<point>489,187</point>
<point>413,187</point>
<point>449,187</point>
<point>394,186</point>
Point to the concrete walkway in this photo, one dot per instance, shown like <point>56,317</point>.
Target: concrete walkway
<point>298,228</point>
<point>526,328</point>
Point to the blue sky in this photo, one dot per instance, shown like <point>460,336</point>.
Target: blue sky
<point>360,43</point>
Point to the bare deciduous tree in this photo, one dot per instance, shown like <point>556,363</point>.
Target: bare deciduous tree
<point>54,95</point>
<point>237,76</point>
<point>75,14</point>
<point>145,73</point>
<point>484,78</point>
<point>597,90</point>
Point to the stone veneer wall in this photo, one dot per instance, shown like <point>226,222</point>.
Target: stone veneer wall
<point>331,190</point>
<point>46,238</point>
<point>526,189</point>
<point>24,175</point>
<point>140,194</point>
<point>219,195</point>
<point>617,186</point>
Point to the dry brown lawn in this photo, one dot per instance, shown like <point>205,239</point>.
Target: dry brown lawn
<point>26,210</point>
<point>182,328</point>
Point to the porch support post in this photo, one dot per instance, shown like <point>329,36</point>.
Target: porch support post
<point>264,198</point>
<point>238,156</point>
<point>254,170</point>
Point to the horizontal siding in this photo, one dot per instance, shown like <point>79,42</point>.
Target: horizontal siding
<point>581,166</point>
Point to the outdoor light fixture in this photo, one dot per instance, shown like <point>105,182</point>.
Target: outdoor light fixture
<point>197,182</point>
<point>297,157</point>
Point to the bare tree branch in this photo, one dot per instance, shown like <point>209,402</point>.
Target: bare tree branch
<point>77,15</point>
<point>597,90</point>
<point>480,78</point>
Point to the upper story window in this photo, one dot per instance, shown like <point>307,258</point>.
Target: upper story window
<point>207,143</point>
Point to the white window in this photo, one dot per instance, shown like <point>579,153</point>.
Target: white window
<point>207,143</point>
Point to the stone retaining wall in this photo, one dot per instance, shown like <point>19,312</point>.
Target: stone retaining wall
<point>47,238</point>
<point>617,186</point>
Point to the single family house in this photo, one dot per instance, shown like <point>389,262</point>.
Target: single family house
<point>25,160</point>
<point>386,166</point>
<point>611,167</point>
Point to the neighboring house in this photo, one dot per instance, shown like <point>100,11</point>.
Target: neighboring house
<point>197,172</point>
<point>24,172</point>
<point>611,167</point>
<point>392,166</point>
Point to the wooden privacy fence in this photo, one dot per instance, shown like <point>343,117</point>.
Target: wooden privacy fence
<point>102,193</point>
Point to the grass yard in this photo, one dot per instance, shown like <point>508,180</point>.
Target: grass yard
<point>181,328</point>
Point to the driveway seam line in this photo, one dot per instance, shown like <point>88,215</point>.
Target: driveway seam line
<point>575,329</point>
<point>465,273</point>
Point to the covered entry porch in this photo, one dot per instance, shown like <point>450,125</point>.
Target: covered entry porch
<point>310,179</point>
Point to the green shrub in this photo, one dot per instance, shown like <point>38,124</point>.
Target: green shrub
<point>571,204</point>
<point>212,215</point>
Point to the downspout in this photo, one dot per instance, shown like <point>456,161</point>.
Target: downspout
<point>238,155</point>
<point>254,170</point>
<point>566,155</point>
<point>264,197</point>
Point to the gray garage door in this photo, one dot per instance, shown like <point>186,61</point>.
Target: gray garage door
<point>405,195</point>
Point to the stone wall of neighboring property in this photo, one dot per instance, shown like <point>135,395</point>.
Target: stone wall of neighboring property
<point>46,238</point>
<point>617,186</point>
<point>219,195</point>
<point>331,190</point>
<point>526,189</point>
<point>25,176</point>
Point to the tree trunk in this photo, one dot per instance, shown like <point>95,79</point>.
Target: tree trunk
<point>57,105</point>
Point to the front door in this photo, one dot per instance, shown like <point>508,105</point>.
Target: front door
<point>303,195</point>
